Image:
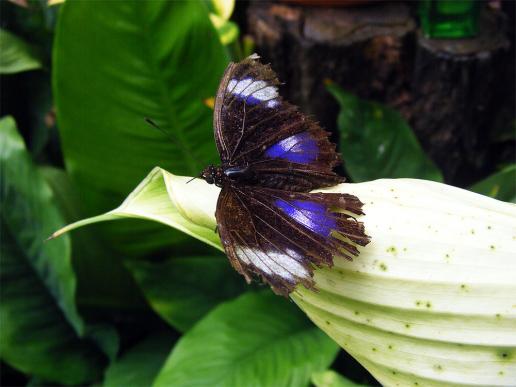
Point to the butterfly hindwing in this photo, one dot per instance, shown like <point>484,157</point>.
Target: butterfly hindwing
<point>255,127</point>
<point>281,236</point>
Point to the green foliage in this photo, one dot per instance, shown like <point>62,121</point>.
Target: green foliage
<point>41,329</point>
<point>141,363</point>
<point>222,8</point>
<point>28,94</point>
<point>330,378</point>
<point>258,339</point>
<point>376,142</point>
<point>177,305</point>
<point>182,290</point>
<point>167,60</point>
<point>159,60</point>
<point>161,197</point>
<point>94,262</point>
<point>29,214</point>
<point>500,185</point>
<point>387,288</point>
<point>220,12</point>
<point>17,55</point>
<point>228,30</point>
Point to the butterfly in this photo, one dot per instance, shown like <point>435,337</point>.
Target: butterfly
<point>272,156</point>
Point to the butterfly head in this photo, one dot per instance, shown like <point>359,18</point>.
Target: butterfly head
<point>213,175</point>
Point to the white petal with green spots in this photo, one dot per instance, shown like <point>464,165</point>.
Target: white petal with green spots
<point>431,301</point>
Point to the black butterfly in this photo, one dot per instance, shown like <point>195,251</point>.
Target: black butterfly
<point>272,156</point>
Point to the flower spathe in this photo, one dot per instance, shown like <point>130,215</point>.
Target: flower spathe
<point>431,301</point>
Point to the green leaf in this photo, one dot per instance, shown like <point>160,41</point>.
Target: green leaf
<point>29,213</point>
<point>376,142</point>
<point>37,114</point>
<point>330,378</point>
<point>40,327</point>
<point>168,58</point>
<point>220,12</point>
<point>141,363</point>
<point>222,8</point>
<point>501,185</point>
<point>255,340</point>
<point>94,262</point>
<point>182,290</point>
<point>106,337</point>
<point>428,302</point>
<point>228,31</point>
<point>17,56</point>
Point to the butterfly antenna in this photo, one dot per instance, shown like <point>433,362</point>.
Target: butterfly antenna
<point>155,126</point>
<point>169,136</point>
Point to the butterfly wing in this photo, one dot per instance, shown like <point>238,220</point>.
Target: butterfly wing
<point>255,128</point>
<point>281,236</point>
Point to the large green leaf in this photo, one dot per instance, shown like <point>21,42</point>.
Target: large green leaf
<point>376,142</point>
<point>179,290</point>
<point>330,378</point>
<point>140,364</point>
<point>17,55</point>
<point>501,185</point>
<point>182,290</point>
<point>94,261</point>
<point>117,62</point>
<point>429,302</point>
<point>40,327</point>
<point>258,339</point>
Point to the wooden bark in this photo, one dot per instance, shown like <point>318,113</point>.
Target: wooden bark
<point>358,48</point>
<point>448,90</point>
<point>458,87</point>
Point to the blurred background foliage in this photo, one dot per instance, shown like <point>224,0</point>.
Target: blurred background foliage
<point>136,303</point>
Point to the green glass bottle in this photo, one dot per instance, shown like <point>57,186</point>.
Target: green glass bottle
<point>449,19</point>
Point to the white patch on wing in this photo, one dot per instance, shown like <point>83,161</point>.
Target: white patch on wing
<point>286,266</point>
<point>290,263</point>
<point>256,89</point>
<point>239,87</point>
<point>242,254</point>
<point>231,86</point>
<point>272,103</point>
<point>264,92</point>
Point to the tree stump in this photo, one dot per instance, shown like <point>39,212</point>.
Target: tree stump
<point>449,91</point>
<point>458,88</point>
<point>358,48</point>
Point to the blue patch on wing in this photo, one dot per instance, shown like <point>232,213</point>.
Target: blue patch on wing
<point>310,214</point>
<point>299,148</point>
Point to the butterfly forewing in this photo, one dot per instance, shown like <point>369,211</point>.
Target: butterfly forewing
<point>256,128</point>
<point>272,156</point>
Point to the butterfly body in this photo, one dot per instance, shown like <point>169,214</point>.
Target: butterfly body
<point>220,175</point>
<point>272,157</point>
